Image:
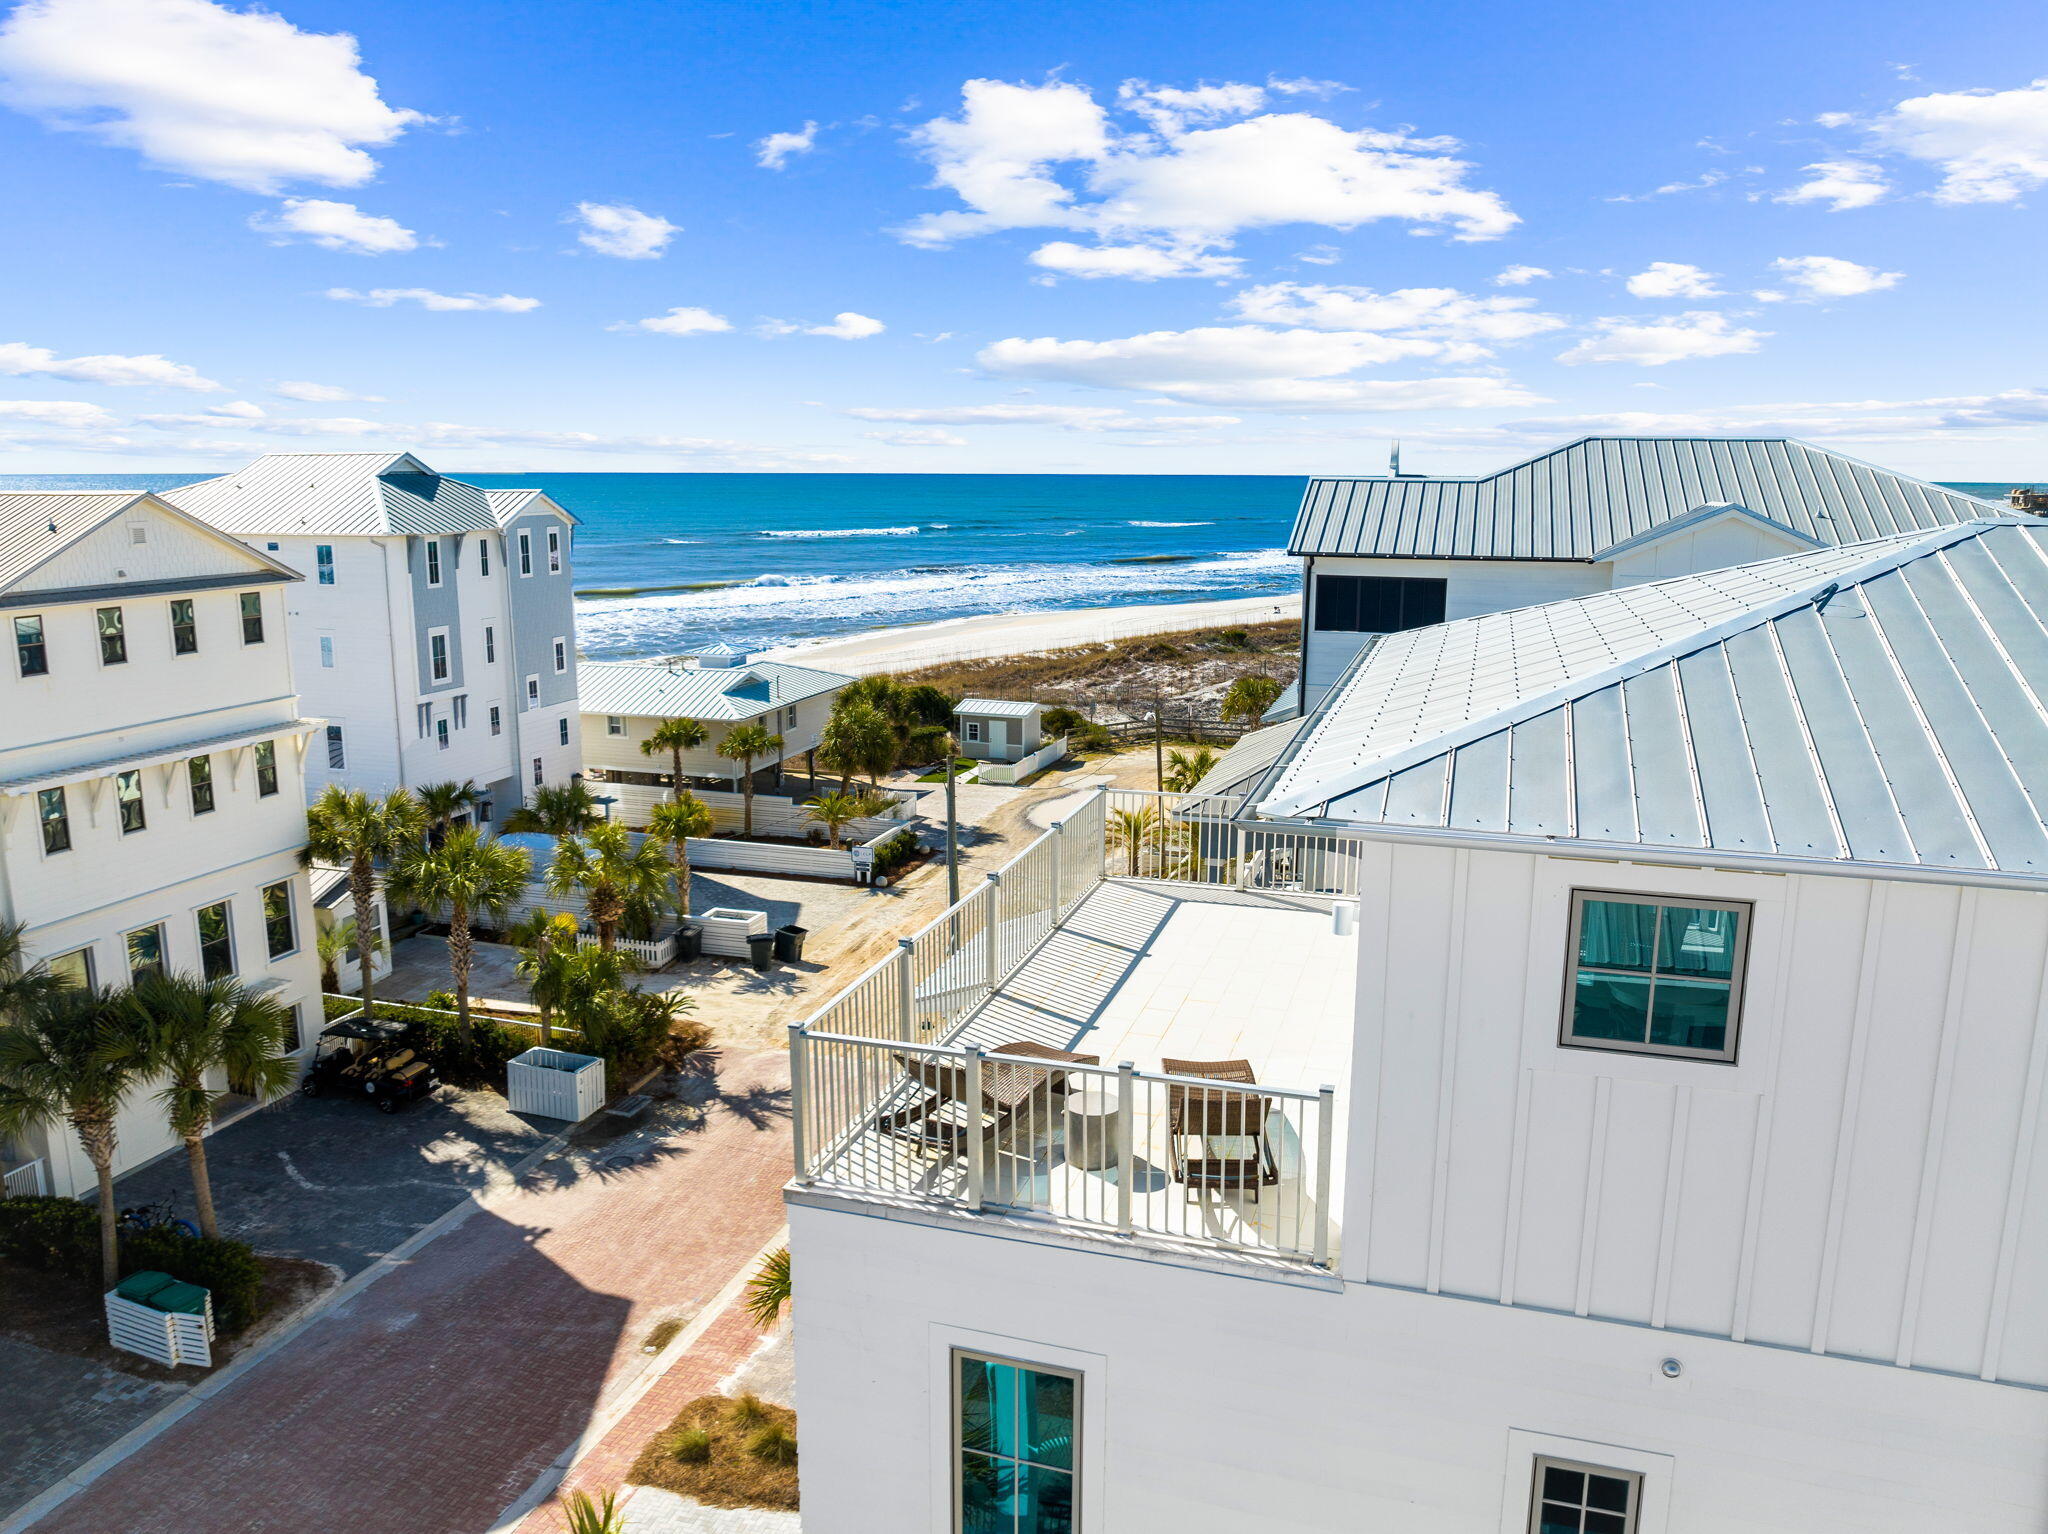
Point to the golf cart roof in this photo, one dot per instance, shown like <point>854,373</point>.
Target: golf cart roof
<point>381,1030</point>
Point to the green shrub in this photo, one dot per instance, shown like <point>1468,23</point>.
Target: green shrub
<point>338,1007</point>
<point>773,1445</point>
<point>56,1235</point>
<point>692,1446</point>
<point>432,1035</point>
<point>747,1411</point>
<point>892,854</point>
<point>228,1268</point>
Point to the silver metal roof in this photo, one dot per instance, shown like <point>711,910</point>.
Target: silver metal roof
<point>339,494</point>
<point>37,525</point>
<point>1884,706</point>
<point>996,708</point>
<point>507,504</point>
<point>717,693</point>
<point>1247,759</point>
<point>1581,500</point>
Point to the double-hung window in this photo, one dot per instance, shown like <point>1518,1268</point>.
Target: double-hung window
<point>128,796</point>
<point>277,919</point>
<point>323,562</point>
<point>113,636</point>
<point>539,772</point>
<point>437,654</point>
<point>252,617</point>
<point>145,952</point>
<point>327,651</point>
<point>525,552</point>
<point>266,768</point>
<point>490,645</point>
<point>441,733</point>
<point>483,555</point>
<point>31,651</point>
<point>1015,1427</point>
<point>433,561</point>
<point>184,627</point>
<point>1655,974</point>
<point>216,942</point>
<point>561,656</point>
<point>614,725</point>
<point>1570,1498</point>
<point>554,551</point>
<point>497,720</point>
<point>337,749</point>
<point>55,815</point>
<point>533,692</point>
<point>199,772</point>
<point>562,730</point>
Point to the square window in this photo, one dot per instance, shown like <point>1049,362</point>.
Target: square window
<point>337,750</point>
<point>252,617</point>
<point>1015,1427</point>
<point>323,562</point>
<point>1657,975</point>
<point>266,768</point>
<point>31,653</point>
<point>128,796</point>
<point>614,725</point>
<point>199,771</point>
<point>277,919</point>
<point>113,636</point>
<point>216,944</point>
<point>1569,1498</point>
<point>55,815</point>
<point>145,952</point>
<point>184,628</point>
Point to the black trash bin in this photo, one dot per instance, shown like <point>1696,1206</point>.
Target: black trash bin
<point>761,948</point>
<point>689,942</point>
<point>789,943</point>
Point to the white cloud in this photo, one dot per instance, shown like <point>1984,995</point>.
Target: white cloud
<point>1141,262</point>
<point>1193,182</point>
<point>681,321</point>
<point>774,151</point>
<point>1991,146</point>
<point>65,414</point>
<point>1653,343</point>
<point>1841,184</point>
<point>1320,255</point>
<point>334,226</point>
<point>1712,178</point>
<point>1432,312</point>
<point>930,436</point>
<point>1519,276</point>
<point>240,97</point>
<point>614,229</point>
<point>845,326</point>
<point>1086,418</point>
<point>320,394</point>
<point>1348,396</point>
<point>21,360</point>
<point>1672,279</point>
<point>1832,277</point>
<point>427,298</point>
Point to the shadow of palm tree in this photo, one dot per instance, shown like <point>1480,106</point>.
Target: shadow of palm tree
<point>759,1107</point>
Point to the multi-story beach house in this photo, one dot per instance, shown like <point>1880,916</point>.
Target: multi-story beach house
<point>434,633</point>
<point>152,801</point>
<point>1591,1082</point>
<point>1397,551</point>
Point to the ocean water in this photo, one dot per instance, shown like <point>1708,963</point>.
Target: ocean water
<point>674,561</point>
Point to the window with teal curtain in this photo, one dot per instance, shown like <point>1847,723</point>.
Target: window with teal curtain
<point>1014,1436</point>
<point>1656,978</point>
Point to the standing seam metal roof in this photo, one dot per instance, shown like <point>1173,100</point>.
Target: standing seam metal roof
<point>341,494</point>
<point>1578,501</point>
<point>35,526</point>
<point>1885,705</point>
<point>712,692</point>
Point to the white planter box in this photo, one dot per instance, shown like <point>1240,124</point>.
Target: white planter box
<point>554,1084</point>
<point>726,929</point>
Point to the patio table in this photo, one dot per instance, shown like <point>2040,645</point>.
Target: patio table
<point>1092,1114</point>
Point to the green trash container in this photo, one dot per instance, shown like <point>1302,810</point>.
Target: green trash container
<point>140,1287</point>
<point>179,1298</point>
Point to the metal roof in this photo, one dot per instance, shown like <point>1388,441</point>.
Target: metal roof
<point>507,504</point>
<point>339,494</point>
<point>718,693</point>
<point>996,708</point>
<point>1581,500</point>
<point>1247,760</point>
<point>1883,706</point>
<point>35,526</point>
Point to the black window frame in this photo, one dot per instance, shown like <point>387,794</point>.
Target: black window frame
<point>199,780</point>
<point>283,916</point>
<point>266,768</point>
<point>184,626</point>
<point>114,638</point>
<point>1605,1519</point>
<point>490,644</point>
<point>56,828</point>
<point>483,555</point>
<point>123,802</point>
<point>433,561</point>
<point>251,604</point>
<point>555,551</point>
<point>562,733</point>
<point>438,662</point>
<point>525,552</point>
<point>216,953</point>
<point>31,656</point>
<point>337,749</point>
<point>1377,604</point>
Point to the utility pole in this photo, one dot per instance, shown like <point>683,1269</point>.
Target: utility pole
<point>1159,739</point>
<point>952,825</point>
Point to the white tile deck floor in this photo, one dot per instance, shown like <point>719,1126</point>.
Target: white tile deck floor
<point>1142,971</point>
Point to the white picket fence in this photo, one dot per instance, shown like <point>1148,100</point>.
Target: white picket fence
<point>774,814</point>
<point>1008,774</point>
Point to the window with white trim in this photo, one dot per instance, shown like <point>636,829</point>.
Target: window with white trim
<point>184,627</point>
<point>55,816</point>
<point>1015,1437</point>
<point>970,729</point>
<point>497,720</point>
<point>266,768</point>
<point>561,656</point>
<point>554,551</point>
<point>483,555</point>
<point>563,729</point>
<point>113,636</point>
<point>441,733</point>
<point>145,952</point>
<point>199,779</point>
<point>74,969</point>
<point>437,654</point>
<point>525,552</point>
<point>252,617</point>
<point>327,651</point>
<point>31,650</point>
<point>533,692</point>
<point>614,725</point>
<point>128,797</point>
<point>490,645</point>
<point>323,562</point>
<point>216,941</point>
<point>540,775</point>
<point>1655,974</point>
<point>433,561</point>
<point>1571,1498</point>
<point>279,930</point>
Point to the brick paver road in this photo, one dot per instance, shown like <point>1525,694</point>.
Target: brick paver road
<point>430,1401</point>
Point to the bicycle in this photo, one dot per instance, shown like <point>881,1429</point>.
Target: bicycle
<point>142,1217</point>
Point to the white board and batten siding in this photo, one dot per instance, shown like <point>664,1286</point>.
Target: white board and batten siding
<point>1866,1180</point>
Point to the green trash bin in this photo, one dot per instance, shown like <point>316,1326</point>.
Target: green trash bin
<point>179,1299</point>
<point>142,1287</point>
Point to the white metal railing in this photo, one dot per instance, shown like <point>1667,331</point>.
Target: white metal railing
<point>25,1180</point>
<point>1179,1159</point>
<point>1190,839</point>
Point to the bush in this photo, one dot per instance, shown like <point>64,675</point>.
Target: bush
<point>338,1007</point>
<point>692,1446</point>
<point>479,1064</point>
<point>773,1445</point>
<point>892,854</point>
<point>747,1411</point>
<point>228,1268</point>
<point>56,1235</point>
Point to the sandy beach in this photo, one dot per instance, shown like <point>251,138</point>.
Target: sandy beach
<point>997,634</point>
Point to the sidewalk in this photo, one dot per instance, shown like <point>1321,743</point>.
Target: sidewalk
<point>431,1401</point>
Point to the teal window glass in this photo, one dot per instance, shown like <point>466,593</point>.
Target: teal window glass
<point>1014,1437</point>
<point>1656,977</point>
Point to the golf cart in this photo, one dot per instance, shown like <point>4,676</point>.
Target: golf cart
<point>366,1057</point>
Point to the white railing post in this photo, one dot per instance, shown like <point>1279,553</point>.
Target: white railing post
<point>977,1171</point>
<point>991,932</point>
<point>799,1100</point>
<point>1126,1141</point>
<point>905,1005</point>
<point>1326,1127</point>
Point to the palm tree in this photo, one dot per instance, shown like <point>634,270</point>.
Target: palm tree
<point>836,811</point>
<point>19,984</point>
<point>442,802</point>
<point>857,738</point>
<point>564,811</point>
<point>472,877</point>
<point>348,826</point>
<point>674,824</point>
<point>675,736</point>
<point>549,941</point>
<point>612,873</point>
<point>1187,768</point>
<point>768,1291</point>
<point>63,1056</point>
<point>1248,698</point>
<point>1133,830</point>
<point>742,743</point>
<point>332,943</point>
<point>185,1029</point>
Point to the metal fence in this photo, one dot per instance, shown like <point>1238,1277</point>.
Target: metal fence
<point>1194,840</point>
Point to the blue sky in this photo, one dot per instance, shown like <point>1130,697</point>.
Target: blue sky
<point>1202,238</point>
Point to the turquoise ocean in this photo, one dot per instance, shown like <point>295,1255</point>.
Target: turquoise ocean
<point>671,561</point>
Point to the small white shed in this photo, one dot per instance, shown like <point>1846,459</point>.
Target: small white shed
<point>997,730</point>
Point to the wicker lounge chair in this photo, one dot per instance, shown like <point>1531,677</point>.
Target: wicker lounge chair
<point>1218,1137</point>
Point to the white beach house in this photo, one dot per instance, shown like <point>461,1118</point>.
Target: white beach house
<point>152,801</point>
<point>1594,1084</point>
<point>1385,553</point>
<point>435,632</point>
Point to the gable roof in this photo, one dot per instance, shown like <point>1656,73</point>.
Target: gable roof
<point>997,708</point>
<point>716,693</point>
<point>36,526</point>
<point>1884,706</point>
<point>342,494</point>
<point>507,504</point>
<point>1577,501</point>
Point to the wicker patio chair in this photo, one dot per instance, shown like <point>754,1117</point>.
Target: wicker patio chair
<point>1217,1137</point>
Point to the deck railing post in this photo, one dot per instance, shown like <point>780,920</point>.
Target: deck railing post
<point>1126,1141</point>
<point>990,931</point>
<point>977,1171</point>
<point>799,1100</point>
<point>1326,1131</point>
<point>906,948</point>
